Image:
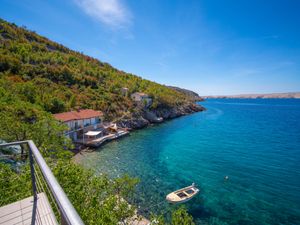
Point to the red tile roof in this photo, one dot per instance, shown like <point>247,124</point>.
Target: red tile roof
<point>77,115</point>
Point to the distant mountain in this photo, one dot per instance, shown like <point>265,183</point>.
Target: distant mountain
<point>273,95</point>
<point>190,93</point>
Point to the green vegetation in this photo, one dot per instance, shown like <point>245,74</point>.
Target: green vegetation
<point>97,198</point>
<point>58,79</point>
<point>39,77</point>
<point>178,217</point>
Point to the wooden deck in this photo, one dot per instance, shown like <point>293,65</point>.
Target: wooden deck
<point>99,141</point>
<point>20,213</point>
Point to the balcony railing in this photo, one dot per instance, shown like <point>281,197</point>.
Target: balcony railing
<point>85,128</point>
<point>48,203</point>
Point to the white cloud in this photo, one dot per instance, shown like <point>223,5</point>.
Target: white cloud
<point>112,13</point>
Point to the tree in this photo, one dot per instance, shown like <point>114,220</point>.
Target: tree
<point>21,121</point>
<point>14,186</point>
<point>181,217</point>
<point>95,197</point>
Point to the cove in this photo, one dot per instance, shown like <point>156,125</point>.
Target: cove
<point>255,142</point>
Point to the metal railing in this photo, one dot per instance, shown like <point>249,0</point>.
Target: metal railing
<point>84,127</point>
<point>43,181</point>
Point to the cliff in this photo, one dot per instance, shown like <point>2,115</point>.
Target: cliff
<point>143,117</point>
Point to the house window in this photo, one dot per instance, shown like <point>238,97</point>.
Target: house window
<point>86,122</point>
<point>80,123</point>
<point>97,120</point>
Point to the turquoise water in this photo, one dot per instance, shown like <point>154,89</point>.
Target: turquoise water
<point>254,142</point>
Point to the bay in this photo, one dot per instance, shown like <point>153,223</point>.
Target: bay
<point>255,142</point>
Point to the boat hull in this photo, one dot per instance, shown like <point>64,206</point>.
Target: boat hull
<point>182,195</point>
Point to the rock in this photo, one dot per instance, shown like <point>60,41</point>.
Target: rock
<point>178,111</point>
<point>133,123</point>
<point>144,117</point>
<point>152,117</point>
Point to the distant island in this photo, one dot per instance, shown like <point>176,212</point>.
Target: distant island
<point>254,96</point>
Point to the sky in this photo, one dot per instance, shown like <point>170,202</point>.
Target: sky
<point>213,47</point>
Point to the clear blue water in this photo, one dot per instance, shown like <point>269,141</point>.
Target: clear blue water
<point>254,142</point>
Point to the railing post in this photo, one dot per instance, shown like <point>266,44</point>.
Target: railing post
<point>63,220</point>
<point>68,211</point>
<point>33,180</point>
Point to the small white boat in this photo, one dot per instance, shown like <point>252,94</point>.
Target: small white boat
<point>183,195</point>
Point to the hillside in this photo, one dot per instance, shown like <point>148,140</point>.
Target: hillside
<point>192,94</point>
<point>273,95</point>
<point>37,70</point>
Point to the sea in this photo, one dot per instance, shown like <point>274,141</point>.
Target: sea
<point>255,142</point>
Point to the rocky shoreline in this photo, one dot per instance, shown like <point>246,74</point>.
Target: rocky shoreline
<point>144,117</point>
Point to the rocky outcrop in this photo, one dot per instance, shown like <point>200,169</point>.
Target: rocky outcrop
<point>170,113</point>
<point>152,117</point>
<point>133,121</point>
<point>144,117</point>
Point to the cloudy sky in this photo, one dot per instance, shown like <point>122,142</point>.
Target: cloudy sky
<point>209,46</point>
